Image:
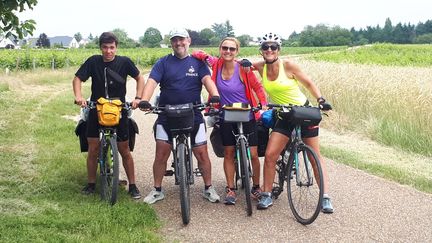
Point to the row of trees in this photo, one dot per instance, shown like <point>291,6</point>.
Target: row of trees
<point>322,35</point>
<point>153,38</point>
<point>319,35</point>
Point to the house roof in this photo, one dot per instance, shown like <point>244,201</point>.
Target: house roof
<point>61,40</point>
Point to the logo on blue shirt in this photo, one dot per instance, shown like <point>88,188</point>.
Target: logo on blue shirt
<point>191,72</point>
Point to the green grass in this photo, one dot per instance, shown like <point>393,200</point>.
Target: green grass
<point>388,104</point>
<point>389,171</point>
<point>382,54</point>
<point>43,172</point>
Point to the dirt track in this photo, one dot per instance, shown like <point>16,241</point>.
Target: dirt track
<point>367,208</point>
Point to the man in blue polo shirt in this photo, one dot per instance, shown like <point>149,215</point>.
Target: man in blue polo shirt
<point>180,77</point>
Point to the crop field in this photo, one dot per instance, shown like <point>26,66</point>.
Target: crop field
<point>27,59</point>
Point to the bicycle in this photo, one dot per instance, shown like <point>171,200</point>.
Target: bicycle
<point>300,167</point>
<point>239,113</point>
<point>180,124</point>
<point>108,158</point>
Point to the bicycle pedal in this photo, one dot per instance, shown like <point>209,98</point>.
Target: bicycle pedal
<point>197,172</point>
<point>169,173</point>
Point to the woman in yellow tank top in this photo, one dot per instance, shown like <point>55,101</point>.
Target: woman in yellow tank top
<point>281,79</point>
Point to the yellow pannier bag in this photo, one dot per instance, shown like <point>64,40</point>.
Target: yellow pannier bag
<point>109,111</point>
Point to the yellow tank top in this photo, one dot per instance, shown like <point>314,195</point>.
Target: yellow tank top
<point>283,90</point>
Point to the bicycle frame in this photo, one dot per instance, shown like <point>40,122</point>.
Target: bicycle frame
<point>108,159</point>
<point>238,137</point>
<point>304,164</point>
<point>183,161</point>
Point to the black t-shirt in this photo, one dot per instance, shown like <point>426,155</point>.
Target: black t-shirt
<point>94,67</point>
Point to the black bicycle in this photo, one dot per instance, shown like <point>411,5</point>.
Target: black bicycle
<point>299,166</point>
<point>108,156</point>
<point>181,124</point>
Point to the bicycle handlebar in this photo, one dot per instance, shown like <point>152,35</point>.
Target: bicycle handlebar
<point>143,105</point>
<point>92,104</point>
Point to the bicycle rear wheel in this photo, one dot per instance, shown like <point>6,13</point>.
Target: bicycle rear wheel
<point>245,175</point>
<point>304,184</point>
<point>182,154</point>
<point>109,170</point>
<point>280,176</point>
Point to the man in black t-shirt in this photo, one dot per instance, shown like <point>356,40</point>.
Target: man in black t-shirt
<point>96,67</point>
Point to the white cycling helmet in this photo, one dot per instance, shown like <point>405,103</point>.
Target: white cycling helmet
<point>271,37</point>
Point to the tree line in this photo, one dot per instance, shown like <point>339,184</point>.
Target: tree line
<point>319,35</point>
<point>323,35</point>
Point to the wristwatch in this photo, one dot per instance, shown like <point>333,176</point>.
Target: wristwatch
<point>137,98</point>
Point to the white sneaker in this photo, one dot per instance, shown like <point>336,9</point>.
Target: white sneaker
<point>154,196</point>
<point>211,195</point>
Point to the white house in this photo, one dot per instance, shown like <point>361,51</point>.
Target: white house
<point>63,41</point>
<point>7,43</point>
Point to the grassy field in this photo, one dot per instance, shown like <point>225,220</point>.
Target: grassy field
<point>388,105</point>
<point>43,172</point>
<point>381,54</point>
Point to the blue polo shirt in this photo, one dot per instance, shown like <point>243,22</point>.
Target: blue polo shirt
<point>180,81</point>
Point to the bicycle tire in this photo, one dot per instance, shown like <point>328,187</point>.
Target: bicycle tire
<point>280,176</point>
<point>103,168</point>
<point>305,191</point>
<point>109,170</point>
<point>245,175</point>
<point>115,170</point>
<point>184,183</point>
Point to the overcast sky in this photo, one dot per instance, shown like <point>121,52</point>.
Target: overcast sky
<point>253,17</point>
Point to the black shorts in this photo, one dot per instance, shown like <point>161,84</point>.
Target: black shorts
<point>93,126</point>
<point>286,128</point>
<point>249,129</point>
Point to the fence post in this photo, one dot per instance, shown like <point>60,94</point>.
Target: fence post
<point>34,63</point>
<point>17,63</point>
<point>53,64</point>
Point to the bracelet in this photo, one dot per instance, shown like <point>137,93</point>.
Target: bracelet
<point>321,100</point>
<point>137,98</point>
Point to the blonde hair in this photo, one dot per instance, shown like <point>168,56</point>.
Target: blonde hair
<point>237,42</point>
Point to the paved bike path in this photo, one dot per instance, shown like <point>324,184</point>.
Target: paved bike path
<point>367,208</point>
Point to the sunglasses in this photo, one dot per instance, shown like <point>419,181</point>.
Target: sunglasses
<point>273,47</point>
<point>226,48</point>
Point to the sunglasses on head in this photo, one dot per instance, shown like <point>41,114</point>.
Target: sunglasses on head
<point>226,48</point>
<point>273,47</point>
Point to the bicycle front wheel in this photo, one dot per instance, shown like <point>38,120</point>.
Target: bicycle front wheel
<point>182,154</point>
<point>109,170</point>
<point>304,184</point>
<point>245,176</point>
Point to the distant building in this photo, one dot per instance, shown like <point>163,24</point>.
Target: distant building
<point>63,41</point>
<point>84,42</point>
<point>56,41</point>
<point>7,43</point>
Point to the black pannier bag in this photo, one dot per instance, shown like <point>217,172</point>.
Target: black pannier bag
<point>303,115</point>
<point>263,137</point>
<point>133,130</point>
<point>80,131</point>
<point>180,118</point>
<point>216,141</point>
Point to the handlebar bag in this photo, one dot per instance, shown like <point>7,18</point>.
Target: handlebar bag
<point>305,115</point>
<point>180,117</point>
<point>108,111</point>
